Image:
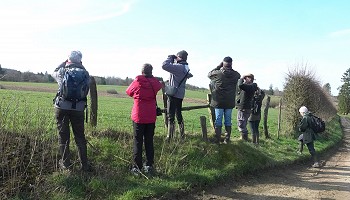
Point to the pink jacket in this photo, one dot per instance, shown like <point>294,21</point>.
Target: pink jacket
<point>144,108</point>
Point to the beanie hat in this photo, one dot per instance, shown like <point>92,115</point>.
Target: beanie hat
<point>147,69</point>
<point>303,109</point>
<point>182,54</point>
<point>75,56</point>
<point>228,59</point>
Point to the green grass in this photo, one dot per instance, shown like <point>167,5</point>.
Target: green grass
<point>180,165</point>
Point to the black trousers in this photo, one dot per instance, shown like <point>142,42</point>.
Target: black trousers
<point>174,108</point>
<point>143,133</point>
<point>76,118</point>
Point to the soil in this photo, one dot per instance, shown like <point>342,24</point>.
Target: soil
<point>299,181</point>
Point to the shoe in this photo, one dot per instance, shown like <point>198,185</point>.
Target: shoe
<point>87,168</point>
<point>135,171</point>
<point>63,166</point>
<point>316,165</point>
<point>148,170</point>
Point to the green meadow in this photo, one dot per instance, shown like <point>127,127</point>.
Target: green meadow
<point>28,115</point>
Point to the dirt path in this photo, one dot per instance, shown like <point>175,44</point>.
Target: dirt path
<point>332,181</point>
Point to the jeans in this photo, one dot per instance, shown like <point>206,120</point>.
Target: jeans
<point>311,148</point>
<point>226,113</point>
<point>143,133</point>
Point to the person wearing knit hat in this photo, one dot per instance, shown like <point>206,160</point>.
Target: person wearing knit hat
<point>69,111</point>
<point>144,90</point>
<point>223,84</point>
<point>179,71</point>
<point>308,136</point>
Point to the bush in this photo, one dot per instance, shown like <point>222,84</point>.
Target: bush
<point>112,91</point>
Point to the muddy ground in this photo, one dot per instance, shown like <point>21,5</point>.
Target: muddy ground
<point>299,181</point>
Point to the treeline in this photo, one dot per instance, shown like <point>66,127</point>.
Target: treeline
<point>17,76</point>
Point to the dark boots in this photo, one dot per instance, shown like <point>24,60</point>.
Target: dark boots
<point>171,131</point>
<point>228,134</point>
<point>64,162</point>
<point>217,134</point>
<point>182,130</point>
<point>244,136</point>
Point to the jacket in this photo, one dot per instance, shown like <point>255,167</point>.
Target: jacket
<point>144,108</point>
<point>223,87</point>
<point>58,75</point>
<point>246,94</point>
<point>177,73</point>
<point>259,96</point>
<point>304,126</point>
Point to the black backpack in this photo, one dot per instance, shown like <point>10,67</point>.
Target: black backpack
<point>317,124</point>
<point>75,84</point>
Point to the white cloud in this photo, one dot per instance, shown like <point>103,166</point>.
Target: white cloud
<point>340,33</point>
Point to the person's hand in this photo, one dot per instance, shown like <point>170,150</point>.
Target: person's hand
<point>172,57</point>
<point>219,66</point>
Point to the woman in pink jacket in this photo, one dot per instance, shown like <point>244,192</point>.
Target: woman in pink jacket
<point>144,90</point>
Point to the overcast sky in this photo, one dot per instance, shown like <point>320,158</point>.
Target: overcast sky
<point>264,37</point>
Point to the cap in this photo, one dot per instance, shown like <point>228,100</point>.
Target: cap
<point>182,54</point>
<point>75,56</point>
<point>227,59</point>
<point>303,109</point>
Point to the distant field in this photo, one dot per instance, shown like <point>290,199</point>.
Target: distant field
<point>113,109</point>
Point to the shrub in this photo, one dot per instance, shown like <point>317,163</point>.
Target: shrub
<point>112,91</point>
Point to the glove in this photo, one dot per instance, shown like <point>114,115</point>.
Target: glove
<point>219,66</point>
<point>172,57</point>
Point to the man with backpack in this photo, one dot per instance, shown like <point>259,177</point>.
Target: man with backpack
<point>70,102</point>
<point>308,135</point>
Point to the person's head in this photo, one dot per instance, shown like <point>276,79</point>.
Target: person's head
<point>302,110</point>
<point>249,78</point>
<point>75,57</point>
<point>181,55</point>
<point>227,62</point>
<point>147,69</point>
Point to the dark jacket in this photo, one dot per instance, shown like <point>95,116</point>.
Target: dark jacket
<point>259,96</point>
<point>304,126</point>
<point>177,72</point>
<point>144,91</point>
<point>223,87</point>
<point>246,94</point>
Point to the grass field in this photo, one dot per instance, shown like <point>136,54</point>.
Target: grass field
<point>29,139</point>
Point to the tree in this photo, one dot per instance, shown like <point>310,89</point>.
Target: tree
<point>1,71</point>
<point>270,91</point>
<point>344,93</point>
<point>327,88</point>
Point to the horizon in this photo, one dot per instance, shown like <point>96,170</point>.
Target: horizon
<point>265,38</point>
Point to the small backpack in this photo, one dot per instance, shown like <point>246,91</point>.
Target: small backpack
<point>317,124</point>
<point>75,84</point>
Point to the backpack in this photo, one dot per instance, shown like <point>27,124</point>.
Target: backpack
<point>256,102</point>
<point>317,124</point>
<point>75,84</point>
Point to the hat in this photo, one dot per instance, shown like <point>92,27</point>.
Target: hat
<point>303,109</point>
<point>182,54</point>
<point>249,75</point>
<point>75,56</point>
<point>227,59</point>
<point>147,69</point>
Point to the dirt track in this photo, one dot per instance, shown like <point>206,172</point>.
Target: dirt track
<point>331,181</point>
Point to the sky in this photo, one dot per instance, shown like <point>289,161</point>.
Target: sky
<point>268,38</point>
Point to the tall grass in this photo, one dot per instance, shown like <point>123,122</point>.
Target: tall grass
<point>193,163</point>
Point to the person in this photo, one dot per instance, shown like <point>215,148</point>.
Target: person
<point>144,90</point>
<point>178,68</point>
<point>244,103</point>
<point>308,136</point>
<point>71,112</point>
<point>223,89</point>
<point>255,116</point>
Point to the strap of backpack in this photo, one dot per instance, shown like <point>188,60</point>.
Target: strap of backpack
<point>155,96</point>
<point>183,78</point>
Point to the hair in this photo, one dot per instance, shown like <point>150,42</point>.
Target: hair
<point>147,69</point>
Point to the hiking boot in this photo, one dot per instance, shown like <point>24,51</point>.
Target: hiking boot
<point>64,166</point>
<point>148,170</point>
<point>316,165</point>
<point>87,168</point>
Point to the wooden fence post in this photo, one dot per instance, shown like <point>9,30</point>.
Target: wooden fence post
<point>279,119</point>
<point>211,111</point>
<point>203,121</point>
<point>266,111</point>
<point>93,102</point>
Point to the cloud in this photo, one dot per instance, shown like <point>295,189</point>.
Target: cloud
<point>36,15</point>
<point>340,33</point>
